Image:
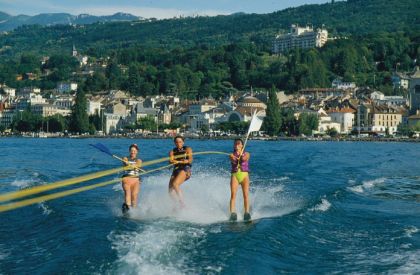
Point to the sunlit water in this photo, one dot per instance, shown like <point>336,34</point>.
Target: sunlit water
<point>318,207</point>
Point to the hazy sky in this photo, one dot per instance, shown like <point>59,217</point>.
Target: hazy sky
<point>149,8</point>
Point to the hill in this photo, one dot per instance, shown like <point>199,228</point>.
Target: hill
<point>354,17</point>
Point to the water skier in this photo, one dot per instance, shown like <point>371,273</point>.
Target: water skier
<point>131,179</point>
<point>181,157</point>
<point>239,176</point>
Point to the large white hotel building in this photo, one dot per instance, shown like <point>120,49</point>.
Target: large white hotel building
<point>300,38</point>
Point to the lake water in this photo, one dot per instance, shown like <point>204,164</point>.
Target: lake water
<point>318,207</point>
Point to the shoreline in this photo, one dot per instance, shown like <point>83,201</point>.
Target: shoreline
<point>207,137</point>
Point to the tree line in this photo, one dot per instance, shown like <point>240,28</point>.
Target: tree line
<point>204,71</point>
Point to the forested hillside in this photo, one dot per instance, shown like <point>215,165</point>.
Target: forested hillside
<point>203,56</point>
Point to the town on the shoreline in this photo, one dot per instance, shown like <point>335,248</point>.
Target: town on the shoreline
<point>341,110</point>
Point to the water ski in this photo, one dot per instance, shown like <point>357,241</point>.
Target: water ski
<point>234,218</point>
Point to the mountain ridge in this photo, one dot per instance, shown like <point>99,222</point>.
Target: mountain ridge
<point>9,22</point>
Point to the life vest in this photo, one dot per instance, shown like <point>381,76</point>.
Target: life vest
<point>244,165</point>
<point>177,155</point>
<point>132,172</point>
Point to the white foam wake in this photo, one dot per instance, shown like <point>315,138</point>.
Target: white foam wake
<point>323,206</point>
<point>366,185</point>
<point>167,240</point>
<point>207,199</point>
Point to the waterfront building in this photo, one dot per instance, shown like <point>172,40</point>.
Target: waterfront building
<point>325,123</point>
<point>7,116</point>
<point>113,123</point>
<point>46,110</point>
<point>141,111</point>
<point>378,118</point>
<point>300,37</point>
<point>202,106</point>
<point>208,119</point>
<point>345,117</point>
<point>118,109</point>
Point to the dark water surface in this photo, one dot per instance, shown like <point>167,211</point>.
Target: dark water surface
<point>318,207</point>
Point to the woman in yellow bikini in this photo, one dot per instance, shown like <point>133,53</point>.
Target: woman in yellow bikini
<point>239,176</point>
<point>131,179</point>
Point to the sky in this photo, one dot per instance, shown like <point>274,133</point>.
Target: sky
<point>150,8</point>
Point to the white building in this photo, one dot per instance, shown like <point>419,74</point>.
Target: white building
<point>9,91</point>
<point>300,38</point>
<point>377,95</point>
<point>207,118</point>
<point>345,117</point>
<point>93,107</point>
<point>113,123</point>
<point>325,123</point>
<point>36,99</point>
<point>339,84</point>
<point>202,106</point>
<point>44,110</point>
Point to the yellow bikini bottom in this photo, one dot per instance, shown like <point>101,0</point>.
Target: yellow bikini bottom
<point>240,176</point>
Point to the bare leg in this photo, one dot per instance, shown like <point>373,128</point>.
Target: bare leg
<point>135,190</point>
<point>245,191</point>
<point>127,192</point>
<point>174,187</point>
<point>233,188</point>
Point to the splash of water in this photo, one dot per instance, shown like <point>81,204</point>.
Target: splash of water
<point>207,198</point>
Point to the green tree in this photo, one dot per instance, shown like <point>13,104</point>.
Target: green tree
<point>307,123</point>
<point>113,73</point>
<point>272,121</point>
<point>289,123</point>
<point>332,132</point>
<point>56,123</point>
<point>205,129</point>
<point>79,120</point>
<point>147,123</point>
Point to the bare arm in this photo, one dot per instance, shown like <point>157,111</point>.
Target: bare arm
<point>125,161</point>
<point>172,158</point>
<point>246,156</point>
<point>189,159</point>
<point>138,163</point>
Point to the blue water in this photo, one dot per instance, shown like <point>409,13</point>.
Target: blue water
<point>318,207</point>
